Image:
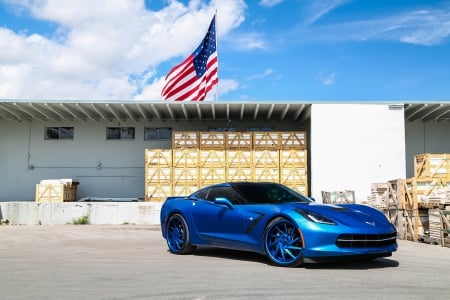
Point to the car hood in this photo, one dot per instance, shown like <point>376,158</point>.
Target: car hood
<point>349,215</point>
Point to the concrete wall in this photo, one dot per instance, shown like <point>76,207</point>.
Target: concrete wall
<point>354,145</point>
<point>31,213</point>
<point>425,137</point>
<point>104,168</point>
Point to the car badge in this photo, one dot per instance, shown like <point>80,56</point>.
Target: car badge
<point>370,223</point>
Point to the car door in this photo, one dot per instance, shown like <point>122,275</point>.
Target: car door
<point>219,224</point>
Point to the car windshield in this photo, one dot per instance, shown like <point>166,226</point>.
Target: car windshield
<point>268,193</point>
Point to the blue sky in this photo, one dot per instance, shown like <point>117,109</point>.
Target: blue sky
<point>269,50</point>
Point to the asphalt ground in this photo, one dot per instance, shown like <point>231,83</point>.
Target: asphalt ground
<point>132,262</point>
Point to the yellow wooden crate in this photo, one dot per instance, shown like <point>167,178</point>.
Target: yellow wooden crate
<point>239,159</point>
<point>267,174</point>
<point>56,192</point>
<point>295,140</point>
<point>158,174</point>
<point>185,139</point>
<point>239,140</point>
<point>293,158</point>
<point>157,191</point>
<point>183,175</point>
<point>184,188</point>
<point>185,158</point>
<point>239,174</point>
<point>158,157</point>
<point>212,175</point>
<point>266,158</point>
<point>266,140</point>
<point>212,158</point>
<point>212,140</point>
<point>432,165</point>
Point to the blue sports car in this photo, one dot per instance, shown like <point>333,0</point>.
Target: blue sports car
<point>274,220</point>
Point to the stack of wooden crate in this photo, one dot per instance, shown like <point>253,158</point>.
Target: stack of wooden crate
<point>56,190</point>
<point>411,203</point>
<point>199,159</point>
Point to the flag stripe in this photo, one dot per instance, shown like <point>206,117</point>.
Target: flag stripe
<point>193,78</point>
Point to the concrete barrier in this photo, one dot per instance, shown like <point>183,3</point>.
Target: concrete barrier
<point>111,213</point>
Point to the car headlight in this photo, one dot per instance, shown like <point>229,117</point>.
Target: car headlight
<point>315,217</point>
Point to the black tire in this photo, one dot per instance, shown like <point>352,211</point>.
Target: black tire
<point>178,235</point>
<point>283,243</point>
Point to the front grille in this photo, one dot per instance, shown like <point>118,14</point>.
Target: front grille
<point>366,240</point>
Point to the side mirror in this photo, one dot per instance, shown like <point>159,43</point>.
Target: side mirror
<point>223,201</point>
<point>313,199</point>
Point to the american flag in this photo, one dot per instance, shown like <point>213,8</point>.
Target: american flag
<point>197,74</point>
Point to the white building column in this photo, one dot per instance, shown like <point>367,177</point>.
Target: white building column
<point>355,145</point>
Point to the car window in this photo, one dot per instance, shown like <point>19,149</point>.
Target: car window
<point>268,193</point>
<point>224,191</point>
<point>200,194</point>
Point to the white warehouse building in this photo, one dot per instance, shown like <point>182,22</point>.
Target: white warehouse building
<point>101,144</point>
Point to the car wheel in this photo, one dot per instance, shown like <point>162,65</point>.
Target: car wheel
<point>283,243</point>
<point>178,235</point>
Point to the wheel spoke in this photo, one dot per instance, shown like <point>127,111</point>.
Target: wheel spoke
<point>283,243</point>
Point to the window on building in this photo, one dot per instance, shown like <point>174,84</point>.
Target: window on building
<point>223,129</point>
<point>59,133</point>
<point>157,134</point>
<point>120,133</point>
<point>253,129</point>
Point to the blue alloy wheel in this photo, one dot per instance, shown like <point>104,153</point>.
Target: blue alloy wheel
<point>178,235</point>
<point>283,243</point>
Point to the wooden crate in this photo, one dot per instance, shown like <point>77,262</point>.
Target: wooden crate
<point>239,159</point>
<point>184,188</point>
<point>387,195</point>
<point>185,175</point>
<point>432,166</point>
<point>212,158</point>
<point>212,140</point>
<point>295,140</point>
<point>267,174</point>
<point>157,191</point>
<point>239,174</point>
<point>158,157</point>
<point>185,140</point>
<point>445,227</point>
<point>212,175</point>
<point>293,175</point>
<point>266,140</point>
<point>338,197</point>
<point>411,224</point>
<point>266,159</point>
<point>239,141</point>
<point>293,158</point>
<point>56,191</point>
<point>157,174</point>
<point>185,158</point>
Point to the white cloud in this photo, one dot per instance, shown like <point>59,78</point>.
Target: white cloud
<point>247,41</point>
<point>266,73</point>
<point>326,79</point>
<point>424,27</point>
<point>104,49</point>
<point>269,3</point>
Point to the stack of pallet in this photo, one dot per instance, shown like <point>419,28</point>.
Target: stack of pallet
<point>411,203</point>
<point>199,159</point>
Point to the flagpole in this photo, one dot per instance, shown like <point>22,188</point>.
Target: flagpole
<point>217,51</point>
